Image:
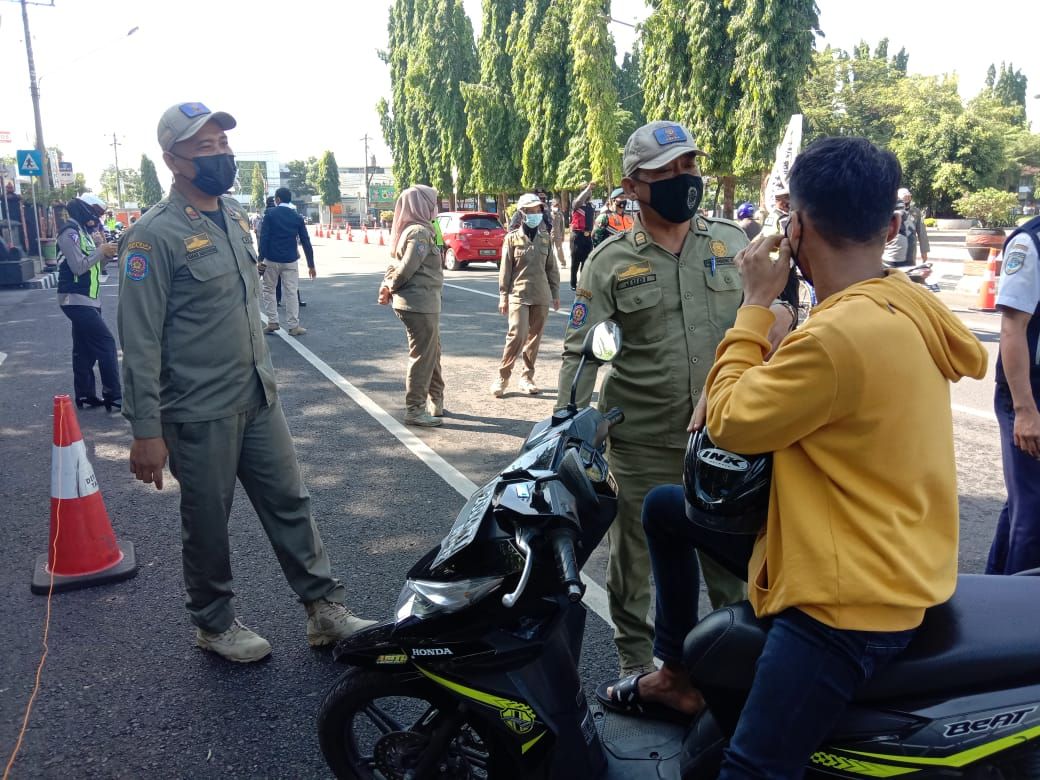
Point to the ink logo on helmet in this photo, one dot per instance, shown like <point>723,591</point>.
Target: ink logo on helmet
<point>723,459</point>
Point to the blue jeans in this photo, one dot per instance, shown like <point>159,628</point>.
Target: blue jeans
<point>92,343</point>
<point>1016,543</point>
<point>807,673</point>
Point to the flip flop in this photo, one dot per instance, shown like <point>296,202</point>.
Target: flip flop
<point>625,700</point>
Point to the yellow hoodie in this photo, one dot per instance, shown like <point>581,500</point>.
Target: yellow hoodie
<point>855,404</point>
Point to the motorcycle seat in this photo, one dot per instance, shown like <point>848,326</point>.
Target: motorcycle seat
<point>976,639</point>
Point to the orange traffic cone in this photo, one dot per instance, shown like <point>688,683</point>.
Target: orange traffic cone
<point>350,235</point>
<point>83,550</point>
<point>381,242</point>
<point>365,239</point>
<point>338,236</point>
<point>319,234</point>
<point>987,301</point>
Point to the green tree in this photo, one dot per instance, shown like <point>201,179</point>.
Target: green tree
<point>151,190</point>
<point>629,85</point>
<point>544,98</point>
<point>328,176</point>
<point>258,189</point>
<point>1011,87</point>
<point>594,88</point>
<point>299,179</point>
<point>129,179</point>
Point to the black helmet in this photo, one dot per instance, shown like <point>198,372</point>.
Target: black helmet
<point>725,491</point>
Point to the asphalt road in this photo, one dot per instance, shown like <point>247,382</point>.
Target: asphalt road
<point>124,693</point>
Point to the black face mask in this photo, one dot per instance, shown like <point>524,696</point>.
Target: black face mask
<point>676,199</point>
<point>794,254</point>
<point>216,173</point>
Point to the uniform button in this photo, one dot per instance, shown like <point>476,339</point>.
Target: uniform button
<point>688,295</point>
<point>728,278</point>
<point>693,328</point>
<point>682,263</point>
<point>639,300</point>
<point>694,359</point>
<point>696,391</point>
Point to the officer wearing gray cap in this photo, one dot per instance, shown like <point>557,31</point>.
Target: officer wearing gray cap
<point>199,388</point>
<point>671,283</point>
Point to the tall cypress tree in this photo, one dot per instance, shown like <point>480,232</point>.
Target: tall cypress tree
<point>151,190</point>
<point>328,181</point>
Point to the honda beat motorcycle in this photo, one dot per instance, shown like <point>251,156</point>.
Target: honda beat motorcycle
<point>475,675</point>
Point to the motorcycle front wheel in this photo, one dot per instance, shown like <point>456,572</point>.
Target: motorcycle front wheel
<point>377,726</point>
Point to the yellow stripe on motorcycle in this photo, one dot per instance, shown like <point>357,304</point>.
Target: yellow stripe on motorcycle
<point>517,716</point>
<point>858,767</point>
<point>965,757</point>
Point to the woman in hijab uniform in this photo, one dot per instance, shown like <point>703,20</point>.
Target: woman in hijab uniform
<point>414,282</point>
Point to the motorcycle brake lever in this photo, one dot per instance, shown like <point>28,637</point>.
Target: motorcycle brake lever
<point>523,541</point>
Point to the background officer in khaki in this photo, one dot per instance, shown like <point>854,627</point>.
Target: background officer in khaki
<point>671,284</point>
<point>559,228</point>
<point>199,387</point>
<point>528,282</point>
<point>415,281</point>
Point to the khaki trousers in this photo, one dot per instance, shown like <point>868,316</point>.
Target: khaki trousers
<point>558,246</point>
<point>638,468</point>
<point>257,448</point>
<point>289,273</point>
<point>423,378</point>
<point>526,323</point>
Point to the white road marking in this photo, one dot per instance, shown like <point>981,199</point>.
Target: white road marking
<point>982,414</point>
<point>565,313</point>
<point>595,595</point>
<point>3,357</point>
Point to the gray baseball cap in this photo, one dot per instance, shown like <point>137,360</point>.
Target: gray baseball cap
<point>655,145</point>
<point>182,121</point>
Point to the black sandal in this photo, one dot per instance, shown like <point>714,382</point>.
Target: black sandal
<point>625,699</point>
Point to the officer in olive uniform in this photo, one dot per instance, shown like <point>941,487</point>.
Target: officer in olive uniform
<point>415,282</point>
<point>199,387</point>
<point>671,283</point>
<point>528,282</point>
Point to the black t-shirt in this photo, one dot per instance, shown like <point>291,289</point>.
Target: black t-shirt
<point>218,217</point>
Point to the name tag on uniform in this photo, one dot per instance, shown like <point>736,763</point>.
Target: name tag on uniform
<point>718,261</point>
<point>199,245</point>
<point>635,281</point>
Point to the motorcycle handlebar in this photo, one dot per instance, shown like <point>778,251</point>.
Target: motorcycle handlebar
<point>610,419</point>
<point>566,564</point>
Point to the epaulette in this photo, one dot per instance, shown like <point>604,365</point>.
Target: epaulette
<point>604,243</point>
<point>149,215</point>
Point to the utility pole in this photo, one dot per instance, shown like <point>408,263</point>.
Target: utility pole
<point>119,177</point>
<point>364,180</point>
<point>34,90</point>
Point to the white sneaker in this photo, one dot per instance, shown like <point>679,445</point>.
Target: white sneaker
<point>328,622</point>
<point>529,387</point>
<point>237,644</point>
<point>498,387</point>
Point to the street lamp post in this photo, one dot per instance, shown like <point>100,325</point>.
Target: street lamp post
<point>34,90</point>
<point>119,176</point>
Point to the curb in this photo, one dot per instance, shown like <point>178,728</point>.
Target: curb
<point>44,281</point>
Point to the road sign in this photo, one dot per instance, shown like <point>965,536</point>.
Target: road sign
<point>5,136</point>
<point>30,162</point>
<point>65,174</point>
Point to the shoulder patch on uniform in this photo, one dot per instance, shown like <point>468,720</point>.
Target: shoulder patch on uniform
<point>1014,261</point>
<point>192,213</point>
<point>142,245</point>
<point>636,269</point>
<point>581,292</point>
<point>579,312</point>
<point>702,225</point>
<point>136,266</point>
<point>640,238</point>
<point>423,247</point>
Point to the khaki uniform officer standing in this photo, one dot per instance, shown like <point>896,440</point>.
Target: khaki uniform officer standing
<point>671,284</point>
<point>415,281</point>
<point>199,386</point>
<point>528,282</point>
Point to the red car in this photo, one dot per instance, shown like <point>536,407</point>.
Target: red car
<point>471,237</point>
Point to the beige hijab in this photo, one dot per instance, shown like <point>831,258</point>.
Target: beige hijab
<point>417,205</point>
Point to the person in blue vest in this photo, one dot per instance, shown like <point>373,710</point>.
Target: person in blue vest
<point>1016,544</point>
<point>82,254</point>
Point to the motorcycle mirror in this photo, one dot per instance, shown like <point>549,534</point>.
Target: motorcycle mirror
<point>601,345</point>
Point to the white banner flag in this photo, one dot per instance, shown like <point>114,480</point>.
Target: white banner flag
<point>785,154</point>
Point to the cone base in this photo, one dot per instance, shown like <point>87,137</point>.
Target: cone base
<point>123,570</point>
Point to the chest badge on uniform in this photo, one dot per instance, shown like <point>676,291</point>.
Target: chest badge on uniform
<point>242,223</point>
<point>636,269</point>
<point>192,213</point>
<point>199,245</point>
<point>639,238</point>
<point>718,248</point>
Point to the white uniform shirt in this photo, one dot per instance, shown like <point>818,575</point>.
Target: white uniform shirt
<point>1020,275</point>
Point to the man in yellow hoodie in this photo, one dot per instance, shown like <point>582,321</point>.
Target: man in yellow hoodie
<point>849,558</point>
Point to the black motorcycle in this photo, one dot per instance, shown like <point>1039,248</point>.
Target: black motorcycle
<point>918,274</point>
<point>475,675</point>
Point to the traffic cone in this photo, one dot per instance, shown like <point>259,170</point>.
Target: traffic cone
<point>319,234</point>
<point>83,550</point>
<point>987,301</point>
<point>350,234</point>
<point>338,237</point>
<point>365,239</point>
<point>381,242</point>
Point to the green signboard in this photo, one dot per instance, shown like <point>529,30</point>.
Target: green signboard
<point>382,193</point>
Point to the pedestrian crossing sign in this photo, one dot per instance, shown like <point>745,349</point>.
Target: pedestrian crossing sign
<point>30,162</point>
